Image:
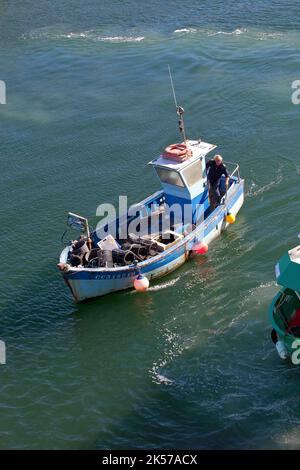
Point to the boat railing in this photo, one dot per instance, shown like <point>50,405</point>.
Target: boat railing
<point>234,170</point>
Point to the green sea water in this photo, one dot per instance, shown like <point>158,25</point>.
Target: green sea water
<point>190,363</point>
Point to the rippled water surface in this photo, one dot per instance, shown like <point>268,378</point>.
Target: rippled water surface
<point>189,364</point>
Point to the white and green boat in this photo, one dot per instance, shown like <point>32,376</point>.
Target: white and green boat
<point>284,311</point>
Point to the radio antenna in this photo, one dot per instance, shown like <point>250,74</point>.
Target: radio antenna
<point>179,109</point>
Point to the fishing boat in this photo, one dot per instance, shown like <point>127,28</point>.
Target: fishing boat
<point>284,311</point>
<point>157,235</point>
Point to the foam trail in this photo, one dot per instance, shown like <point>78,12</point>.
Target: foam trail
<point>185,30</point>
<point>252,192</point>
<point>88,35</point>
<point>236,32</point>
<point>161,379</point>
<point>164,285</point>
<point>121,38</point>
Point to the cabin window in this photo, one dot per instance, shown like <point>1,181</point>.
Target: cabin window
<point>170,177</point>
<point>193,173</point>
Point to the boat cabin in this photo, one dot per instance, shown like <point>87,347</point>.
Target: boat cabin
<point>180,205</point>
<point>185,183</point>
<point>288,270</point>
<point>285,308</point>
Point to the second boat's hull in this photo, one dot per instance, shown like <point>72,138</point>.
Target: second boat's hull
<point>284,332</point>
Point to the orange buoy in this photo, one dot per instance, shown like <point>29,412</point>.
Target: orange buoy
<point>141,283</point>
<point>200,248</point>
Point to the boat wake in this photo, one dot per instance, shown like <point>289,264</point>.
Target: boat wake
<point>253,299</point>
<point>185,30</point>
<point>264,36</point>
<point>254,293</point>
<point>161,379</point>
<point>90,35</point>
<point>236,32</point>
<point>254,34</point>
<point>121,38</point>
<point>188,30</point>
<point>164,285</point>
<point>254,190</point>
<point>172,351</point>
<point>158,287</point>
<point>97,34</point>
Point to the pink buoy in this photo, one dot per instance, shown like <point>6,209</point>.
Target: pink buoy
<point>141,283</point>
<point>200,248</point>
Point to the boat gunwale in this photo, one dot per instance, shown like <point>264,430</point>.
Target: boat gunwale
<point>271,313</point>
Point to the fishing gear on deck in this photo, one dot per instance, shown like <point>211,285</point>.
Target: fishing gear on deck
<point>79,250</point>
<point>139,250</point>
<point>151,247</point>
<point>134,249</point>
<point>123,257</point>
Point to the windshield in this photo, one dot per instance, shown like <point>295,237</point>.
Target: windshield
<point>170,177</point>
<point>193,173</point>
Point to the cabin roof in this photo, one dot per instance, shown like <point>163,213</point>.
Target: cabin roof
<point>199,149</point>
<point>288,269</point>
<point>294,254</point>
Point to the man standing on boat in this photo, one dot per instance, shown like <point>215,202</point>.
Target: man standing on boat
<point>215,170</point>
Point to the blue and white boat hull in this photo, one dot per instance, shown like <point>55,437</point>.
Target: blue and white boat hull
<point>86,283</point>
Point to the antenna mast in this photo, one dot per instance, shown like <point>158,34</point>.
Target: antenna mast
<point>179,109</point>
